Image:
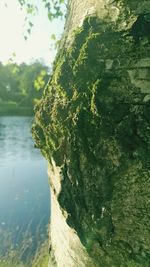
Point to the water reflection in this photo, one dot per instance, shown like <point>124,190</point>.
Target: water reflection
<point>24,190</point>
<point>15,138</point>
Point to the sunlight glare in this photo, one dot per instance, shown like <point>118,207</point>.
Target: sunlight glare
<point>12,29</point>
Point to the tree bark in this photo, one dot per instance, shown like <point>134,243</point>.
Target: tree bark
<point>96,136</point>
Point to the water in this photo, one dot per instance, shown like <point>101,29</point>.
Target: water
<point>24,189</point>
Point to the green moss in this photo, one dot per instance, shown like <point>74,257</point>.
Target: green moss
<point>94,124</point>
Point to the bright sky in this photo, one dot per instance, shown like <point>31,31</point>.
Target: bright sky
<point>12,29</point>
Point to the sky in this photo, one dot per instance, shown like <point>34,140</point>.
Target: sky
<point>12,31</point>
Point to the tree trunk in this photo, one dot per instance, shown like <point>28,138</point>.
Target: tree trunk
<point>93,126</point>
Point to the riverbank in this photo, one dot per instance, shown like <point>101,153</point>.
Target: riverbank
<point>12,109</point>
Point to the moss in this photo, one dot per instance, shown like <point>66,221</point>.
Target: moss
<point>93,122</point>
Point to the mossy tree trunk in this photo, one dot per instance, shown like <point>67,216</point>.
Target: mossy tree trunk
<point>93,126</point>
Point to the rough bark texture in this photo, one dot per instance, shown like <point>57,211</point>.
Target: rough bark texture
<point>93,126</point>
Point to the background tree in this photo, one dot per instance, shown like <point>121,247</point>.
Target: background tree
<point>21,86</point>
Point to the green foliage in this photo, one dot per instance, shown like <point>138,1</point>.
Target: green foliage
<point>20,85</point>
<point>39,83</point>
<point>54,8</point>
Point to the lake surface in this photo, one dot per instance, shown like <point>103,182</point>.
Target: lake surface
<point>24,189</point>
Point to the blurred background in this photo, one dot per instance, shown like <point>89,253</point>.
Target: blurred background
<point>29,37</point>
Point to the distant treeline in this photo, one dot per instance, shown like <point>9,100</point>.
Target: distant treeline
<point>21,87</point>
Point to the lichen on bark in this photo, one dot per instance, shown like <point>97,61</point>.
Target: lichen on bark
<point>94,122</point>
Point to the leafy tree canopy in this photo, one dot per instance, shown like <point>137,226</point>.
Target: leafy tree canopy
<point>21,86</point>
